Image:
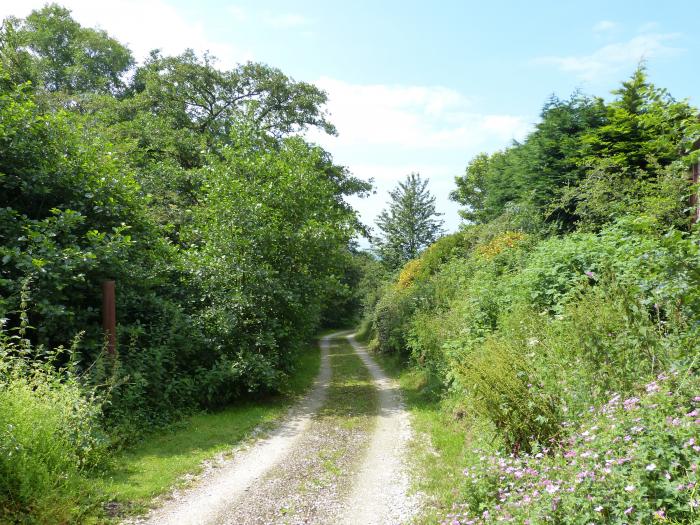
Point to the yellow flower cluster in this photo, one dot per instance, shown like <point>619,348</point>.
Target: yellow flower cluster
<point>501,242</point>
<point>408,274</point>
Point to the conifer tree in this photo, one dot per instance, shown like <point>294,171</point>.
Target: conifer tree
<point>410,223</point>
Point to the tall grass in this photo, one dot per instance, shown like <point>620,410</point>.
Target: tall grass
<point>50,433</point>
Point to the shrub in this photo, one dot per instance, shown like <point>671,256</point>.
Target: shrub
<point>391,317</point>
<point>632,460</point>
<point>496,375</point>
<point>500,243</point>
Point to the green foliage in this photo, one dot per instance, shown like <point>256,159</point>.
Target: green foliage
<point>50,430</point>
<point>261,261</point>
<point>526,341</point>
<point>226,233</point>
<point>53,51</point>
<point>535,171</point>
<point>588,162</point>
<point>628,460</point>
<point>577,282</point>
<point>353,291</point>
<point>410,224</point>
<point>644,125</point>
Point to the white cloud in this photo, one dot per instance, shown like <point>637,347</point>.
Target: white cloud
<point>604,26</point>
<point>615,57</point>
<point>141,24</point>
<point>648,27</point>
<point>413,117</point>
<point>389,131</point>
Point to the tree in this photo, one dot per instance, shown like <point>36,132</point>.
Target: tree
<point>410,224</point>
<point>59,55</point>
<point>535,171</point>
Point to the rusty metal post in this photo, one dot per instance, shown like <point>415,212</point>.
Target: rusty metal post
<point>109,316</point>
<point>694,197</point>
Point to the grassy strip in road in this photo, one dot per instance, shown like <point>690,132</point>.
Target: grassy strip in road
<point>310,483</point>
<point>440,442</point>
<point>352,402</point>
<point>161,460</point>
<point>352,394</point>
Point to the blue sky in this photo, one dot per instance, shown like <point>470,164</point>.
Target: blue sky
<point>422,86</point>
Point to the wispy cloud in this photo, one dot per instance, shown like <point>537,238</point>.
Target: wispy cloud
<point>422,117</point>
<point>238,13</point>
<point>387,131</point>
<point>648,27</point>
<point>278,20</point>
<point>604,26</point>
<point>286,20</point>
<point>612,58</point>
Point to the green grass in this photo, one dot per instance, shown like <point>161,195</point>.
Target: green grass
<point>441,441</point>
<point>351,394</point>
<point>352,400</point>
<point>159,462</point>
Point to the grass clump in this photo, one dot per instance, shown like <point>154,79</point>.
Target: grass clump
<point>352,396</point>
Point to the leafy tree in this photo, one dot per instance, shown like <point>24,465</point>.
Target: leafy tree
<point>268,240</point>
<point>644,126</point>
<point>227,233</point>
<point>410,224</point>
<point>178,111</point>
<point>201,97</point>
<point>53,51</point>
<point>586,162</point>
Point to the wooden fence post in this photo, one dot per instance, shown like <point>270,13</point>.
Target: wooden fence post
<point>695,177</point>
<point>109,316</point>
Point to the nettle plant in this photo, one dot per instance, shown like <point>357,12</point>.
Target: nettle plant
<point>633,460</point>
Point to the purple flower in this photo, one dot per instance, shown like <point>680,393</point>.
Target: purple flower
<point>629,511</point>
<point>630,403</point>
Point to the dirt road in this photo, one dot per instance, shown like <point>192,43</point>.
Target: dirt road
<point>337,458</point>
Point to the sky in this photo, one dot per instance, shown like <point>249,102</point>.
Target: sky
<point>421,86</point>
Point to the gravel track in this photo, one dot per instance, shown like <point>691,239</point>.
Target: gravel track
<point>314,468</point>
<point>381,487</point>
